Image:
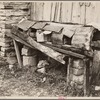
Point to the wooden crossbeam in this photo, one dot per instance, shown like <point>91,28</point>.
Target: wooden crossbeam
<point>46,50</point>
<point>66,52</point>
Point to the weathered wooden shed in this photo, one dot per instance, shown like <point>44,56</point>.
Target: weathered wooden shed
<point>72,28</point>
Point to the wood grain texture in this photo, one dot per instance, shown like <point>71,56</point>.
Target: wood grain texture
<point>48,51</point>
<point>18,53</point>
<point>47,11</point>
<point>76,12</point>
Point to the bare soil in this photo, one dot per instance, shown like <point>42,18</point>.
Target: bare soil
<point>26,82</point>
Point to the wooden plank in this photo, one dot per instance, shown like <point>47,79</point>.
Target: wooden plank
<point>53,9</point>
<point>89,12</point>
<point>66,11</point>
<point>68,70</point>
<point>70,11</point>
<point>76,13</point>
<point>39,25</point>
<point>56,10</point>
<point>25,24</point>
<point>40,9</point>
<point>32,11</point>
<point>18,54</point>
<point>1,5</point>
<point>96,12</point>
<point>12,12</point>
<point>52,27</point>
<point>16,6</point>
<point>66,52</point>
<point>58,15</point>
<point>19,40</point>
<point>37,10</point>
<point>82,13</point>
<point>73,49</point>
<point>47,11</point>
<point>48,51</point>
<point>86,78</point>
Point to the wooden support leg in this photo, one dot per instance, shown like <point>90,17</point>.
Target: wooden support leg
<point>17,53</point>
<point>68,70</point>
<point>86,77</point>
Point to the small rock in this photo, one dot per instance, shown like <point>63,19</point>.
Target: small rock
<point>97,88</point>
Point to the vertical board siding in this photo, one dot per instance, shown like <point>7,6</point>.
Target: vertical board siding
<point>75,12</point>
<point>97,12</point>
<point>40,10</point>
<point>66,12</point>
<point>89,12</point>
<point>82,13</point>
<point>53,9</point>
<point>47,11</point>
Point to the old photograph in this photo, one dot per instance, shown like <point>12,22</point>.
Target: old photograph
<point>50,49</point>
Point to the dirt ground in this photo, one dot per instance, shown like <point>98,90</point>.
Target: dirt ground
<point>26,82</point>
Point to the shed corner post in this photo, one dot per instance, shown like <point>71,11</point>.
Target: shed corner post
<point>68,70</point>
<point>86,77</point>
<point>17,53</point>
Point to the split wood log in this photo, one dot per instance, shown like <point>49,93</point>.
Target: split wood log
<point>73,49</point>
<point>19,40</point>
<point>66,52</point>
<point>48,51</point>
<point>17,53</point>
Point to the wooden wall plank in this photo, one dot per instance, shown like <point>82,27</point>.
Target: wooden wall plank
<point>40,8</point>
<point>89,12</point>
<point>73,12</point>
<point>53,9</point>
<point>64,12</point>
<point>47,11</point>
<point>32,11</point>
<point>58,14</point>
<point>97,12</point>
<point>70,10</point>
<point>82,13</point>
<point>76,13</point>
